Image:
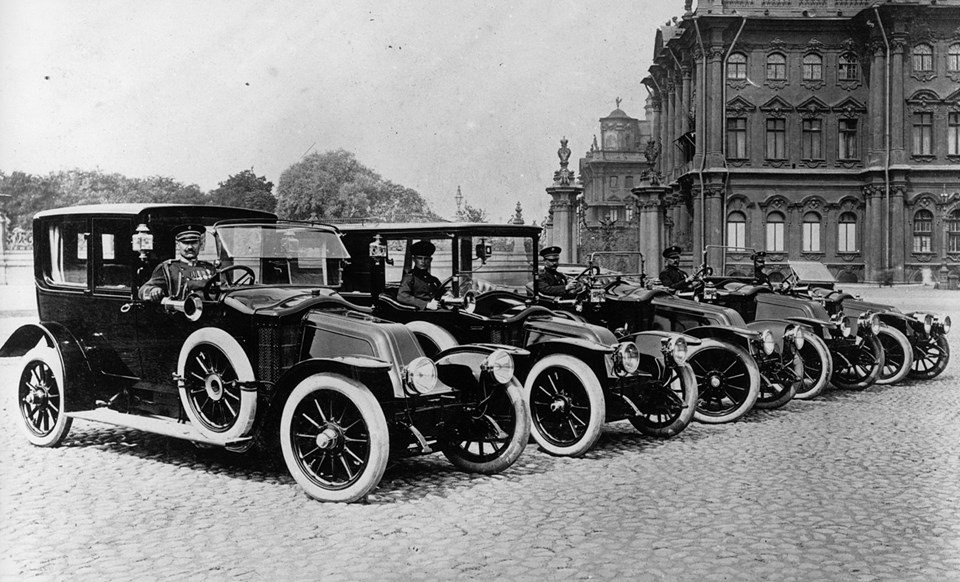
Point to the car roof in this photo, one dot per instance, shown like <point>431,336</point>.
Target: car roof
<point>134,209</point>
<point>442,228</point>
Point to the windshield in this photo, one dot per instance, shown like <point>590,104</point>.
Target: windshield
<point>811,272</point>
<point>508,265</point>
<point>281,254</point>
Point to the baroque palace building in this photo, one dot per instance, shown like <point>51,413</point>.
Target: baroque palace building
<point>818,130</point>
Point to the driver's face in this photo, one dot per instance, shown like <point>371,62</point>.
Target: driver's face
<point>422,263</point>
<point>188,250</point>
<point>673,261</point>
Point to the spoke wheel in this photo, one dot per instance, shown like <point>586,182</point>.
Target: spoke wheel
<point>817,367</point>
<point>862,367</point>
<point>212,387</point>
<point>567,408</point>
<point>779,388</point>
<point>728,380</point>
<point>40,398</point>
<point>897,355</point>
<point>671,408</point>
<point>930,359</point>
<point>493,431</point>
<point>334,438</point>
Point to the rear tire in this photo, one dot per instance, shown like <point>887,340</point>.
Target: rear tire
<point>501,408</point>
<point>930,360</point>
<point>775,393</point>
<point>432,338</point>
<point>863,371</point>
<point>728,380</point>
<point>40,398</point>
<point>817,367</point>
<point>666,415</point>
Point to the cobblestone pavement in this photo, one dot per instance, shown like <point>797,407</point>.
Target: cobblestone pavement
<point>851,486</point>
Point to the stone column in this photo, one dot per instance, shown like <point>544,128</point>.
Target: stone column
<point>716,108</point>
<point>656,130</point>
<point>898,195</point>
<point>700,121</point>
<point>685,101</point>
<point>697,243</point>
<point>564,232</point>
<point>713,212</point>
<point>877,115</point>
<point>871,234</point>
<point>666,153</point>
<point>648,199</point>
<point>897,151</point>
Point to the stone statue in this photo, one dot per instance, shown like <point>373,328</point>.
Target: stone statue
<point>563,152</point>
<point>652,151</point>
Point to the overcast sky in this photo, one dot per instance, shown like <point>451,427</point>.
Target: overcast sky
<point>430,95</point>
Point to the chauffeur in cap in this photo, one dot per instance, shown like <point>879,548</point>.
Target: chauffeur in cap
<point>672,276</point>
<point>551,281</point>
<point>418,287</point>
<point>175,276</point>
<point>759,262</point>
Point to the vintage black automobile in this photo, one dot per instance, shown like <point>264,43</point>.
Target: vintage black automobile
<point>263,352</point>
<point>733,353</point>
<point>854,345</point>
<point>579,375</point>
<point>914,344</point>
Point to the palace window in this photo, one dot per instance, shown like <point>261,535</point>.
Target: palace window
<point>776,67</point>
<point>811,139</point>
<point>953,134</point>
<point>922,231</point>
<point>811,232</point>
<point>923,134</point>
<point>628,183</point>
<point>737,230</point>
<point>736,138</point>
<point>847,68</point>
<point>953,231</point>
<point>847,233</point>
<point>847,149</point>
<point>775,232</point>
<point>812,67</point>
<point>953,57</point>
<point>923,58</point>
<point>776,139</point>
<point>737,66</point>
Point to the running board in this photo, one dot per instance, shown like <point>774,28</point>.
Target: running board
<point>154,425</point>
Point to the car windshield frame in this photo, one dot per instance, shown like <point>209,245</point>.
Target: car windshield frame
<point>283,253</point>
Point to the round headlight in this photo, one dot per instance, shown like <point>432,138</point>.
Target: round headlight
<point>845,327</point>
<point>945,323</point>
<point>677,348</point>
<point>628,357</point>
<point>500,366</point>
<point>769,344</point>
<point>421,374</point>
<point>874,324</point>
<point>927,323</point>
<point>796,334</point>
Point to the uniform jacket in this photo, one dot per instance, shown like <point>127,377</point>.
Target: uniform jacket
<point>417,288</point>
<point>673,277</point>
<point>179,276</point>
<point>552,282</point>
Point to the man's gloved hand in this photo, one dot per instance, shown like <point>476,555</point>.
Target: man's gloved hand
<point>433,305</point>
<point>155,294</point>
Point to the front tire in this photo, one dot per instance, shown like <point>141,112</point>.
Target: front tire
<point>862,370</point>
<point>40,398</point>
<point>776,392</point>
<point>567,406</point>
<point>897,355</point>
<point>817,367</point>
<point>499,420</point>
<point>930,360</point>
<point>334,438</point>
<point>670,411</point>
<point>728,379</point>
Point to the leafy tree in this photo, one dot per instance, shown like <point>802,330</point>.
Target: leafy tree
<point>245,190</point>
<point>335,186</point>
<point>472,214</point>
<point>24,195</point>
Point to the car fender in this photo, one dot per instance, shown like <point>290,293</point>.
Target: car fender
<point>735,335</point>
<point>776,326</point>
<point>75,365</point>
<point>459,366</point>
<point>378,375</point>
<point>650,343</point>
<point>818,326</point>
<point>597,356</point>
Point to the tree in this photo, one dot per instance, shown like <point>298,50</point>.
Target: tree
<point>245,190</point>
<point>24,195</point>
<point>335,186</point>
<point>471,214</point>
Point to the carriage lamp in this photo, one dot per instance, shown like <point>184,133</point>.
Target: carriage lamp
<point>871,321</point>
<point>421,375</point>
<point>142,241</point>
<point>378,250</point>
<point>500,365</point>
<point>626,359</point>
<point>845,326</point>
<point>941,323</point>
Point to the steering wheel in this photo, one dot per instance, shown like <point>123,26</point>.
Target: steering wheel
<point>247,278</point>
<point>442,287</point>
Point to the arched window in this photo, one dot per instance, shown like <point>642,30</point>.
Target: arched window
<point>923,57</point>
<point>922,231</point>
<point>737,230</point>
<point>811,232</point>
<point>953,57</point>
<point>737,66</point>
<point>847,233</point>
<point>776,67</point>
<point>953,231</point>
<point>847,68</point>
<point>812,67</point>
<point>775,233</point>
